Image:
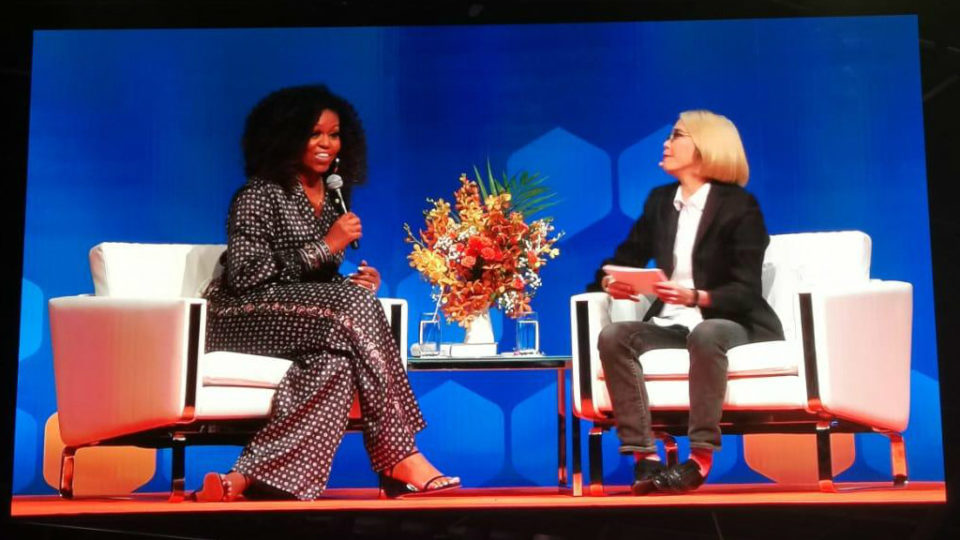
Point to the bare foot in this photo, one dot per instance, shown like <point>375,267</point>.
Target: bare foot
<point>234,484</point>
<point>417,471</point>
<point>222,487</point>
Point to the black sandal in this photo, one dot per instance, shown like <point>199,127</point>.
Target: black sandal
<point>392,488</point>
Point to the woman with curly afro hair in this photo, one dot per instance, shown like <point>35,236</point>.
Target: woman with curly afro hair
<point>281,295</point>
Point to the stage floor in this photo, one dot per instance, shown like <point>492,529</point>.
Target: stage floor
<point>497,498</point>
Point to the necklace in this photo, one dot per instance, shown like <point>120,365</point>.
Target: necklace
<point>315,197</point>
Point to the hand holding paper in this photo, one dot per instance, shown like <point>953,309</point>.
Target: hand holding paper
<point>641,280</point>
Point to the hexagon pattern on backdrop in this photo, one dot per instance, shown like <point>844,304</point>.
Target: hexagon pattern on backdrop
<point>24,451</point>
<point>99,470</point>
<point>533,437</point>
<point>792,458</point>
<point>454,411</point>
<point>638,171</point>
<point>462,427</point>
<point>573,165</point>
<point>31,318</point>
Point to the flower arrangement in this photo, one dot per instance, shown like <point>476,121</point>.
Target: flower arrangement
<point>483,253</point>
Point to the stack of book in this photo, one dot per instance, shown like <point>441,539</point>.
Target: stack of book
<point>468,350</point>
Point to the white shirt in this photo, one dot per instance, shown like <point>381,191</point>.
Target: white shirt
<point>691,211</point>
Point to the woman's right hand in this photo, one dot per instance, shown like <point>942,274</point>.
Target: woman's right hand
<point>344,230</point>
<point>619,290</point>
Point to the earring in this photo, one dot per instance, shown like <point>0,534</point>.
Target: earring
<point>336,164</point>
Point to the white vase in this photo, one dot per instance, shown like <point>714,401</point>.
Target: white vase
<point>480,329</point>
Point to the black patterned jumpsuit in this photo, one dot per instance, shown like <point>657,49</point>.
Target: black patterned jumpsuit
<point>281,295</point>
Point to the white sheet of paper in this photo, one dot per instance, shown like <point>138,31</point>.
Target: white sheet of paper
<point>642,279</point>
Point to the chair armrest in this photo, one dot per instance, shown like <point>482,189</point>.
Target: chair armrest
<point>589,313</point>
<point>396,311</point>
<point>124,365</point>
<point>628,310</point>
<point>862,338</point>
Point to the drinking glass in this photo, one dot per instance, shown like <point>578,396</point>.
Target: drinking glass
<point>528,333</point>
<point>429,334</point>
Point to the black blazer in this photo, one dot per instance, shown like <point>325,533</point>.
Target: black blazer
<point>727,255</point>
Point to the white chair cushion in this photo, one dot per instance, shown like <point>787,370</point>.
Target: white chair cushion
<point>768,393</point>
<point>798,262</point>
<point>233,402</point>
<point>776,392</point>
<point>766,359</point>
<point>223,368</point>
<point>153,270</point>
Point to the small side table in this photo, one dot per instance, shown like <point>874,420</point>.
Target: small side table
<point>560,364</point>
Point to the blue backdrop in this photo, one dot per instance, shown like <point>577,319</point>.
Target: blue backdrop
<point>134,136</point>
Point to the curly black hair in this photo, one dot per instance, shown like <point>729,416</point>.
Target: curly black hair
<point>279,126</point>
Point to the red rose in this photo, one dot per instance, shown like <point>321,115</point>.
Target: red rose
<point>474,245</point>
<point>491,254</point>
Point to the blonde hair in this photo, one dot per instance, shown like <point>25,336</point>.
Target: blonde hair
<point>721,151</point>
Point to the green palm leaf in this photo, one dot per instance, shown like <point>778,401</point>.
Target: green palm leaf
<point>528,194</point>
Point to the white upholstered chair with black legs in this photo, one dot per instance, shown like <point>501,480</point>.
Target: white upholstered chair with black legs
<point>844,366</point>
<point>130,366</point>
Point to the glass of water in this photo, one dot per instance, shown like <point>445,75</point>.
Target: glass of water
<point>429,334</point>
<point>528,333</point>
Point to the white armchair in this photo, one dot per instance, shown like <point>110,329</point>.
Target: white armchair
<point>843,367</point>
<point>130,365</point>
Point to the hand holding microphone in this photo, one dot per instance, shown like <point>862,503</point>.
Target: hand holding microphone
<point>347,229</point>
<point>344,231</point>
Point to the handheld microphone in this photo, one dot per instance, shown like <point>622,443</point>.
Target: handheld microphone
<point>334,182</point>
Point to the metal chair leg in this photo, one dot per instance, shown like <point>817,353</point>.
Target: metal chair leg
<point>596,460</point>
<point>178,467</point>
<point>67,465</point>
<point>824,459</point>
<point>577,478</point>
<point>669,446</point>
<point>561,429</point>
<point>898,461</point>
<point>898,458</point>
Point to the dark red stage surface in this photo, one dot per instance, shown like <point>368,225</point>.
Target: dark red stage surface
<point>499,498</point>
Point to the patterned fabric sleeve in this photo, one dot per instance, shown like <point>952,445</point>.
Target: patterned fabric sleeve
<point>251,263</point>
<point>315,255</point>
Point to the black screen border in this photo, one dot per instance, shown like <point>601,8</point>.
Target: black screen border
<point>939,50</point>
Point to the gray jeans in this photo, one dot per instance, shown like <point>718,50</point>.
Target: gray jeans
<point>620,344</point>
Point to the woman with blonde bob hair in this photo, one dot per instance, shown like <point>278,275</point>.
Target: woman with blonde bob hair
<point>707,234</point>
<point>718,144</point>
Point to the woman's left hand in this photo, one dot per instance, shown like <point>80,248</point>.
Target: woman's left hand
<point>672,293</point>
<point>367,277</point>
